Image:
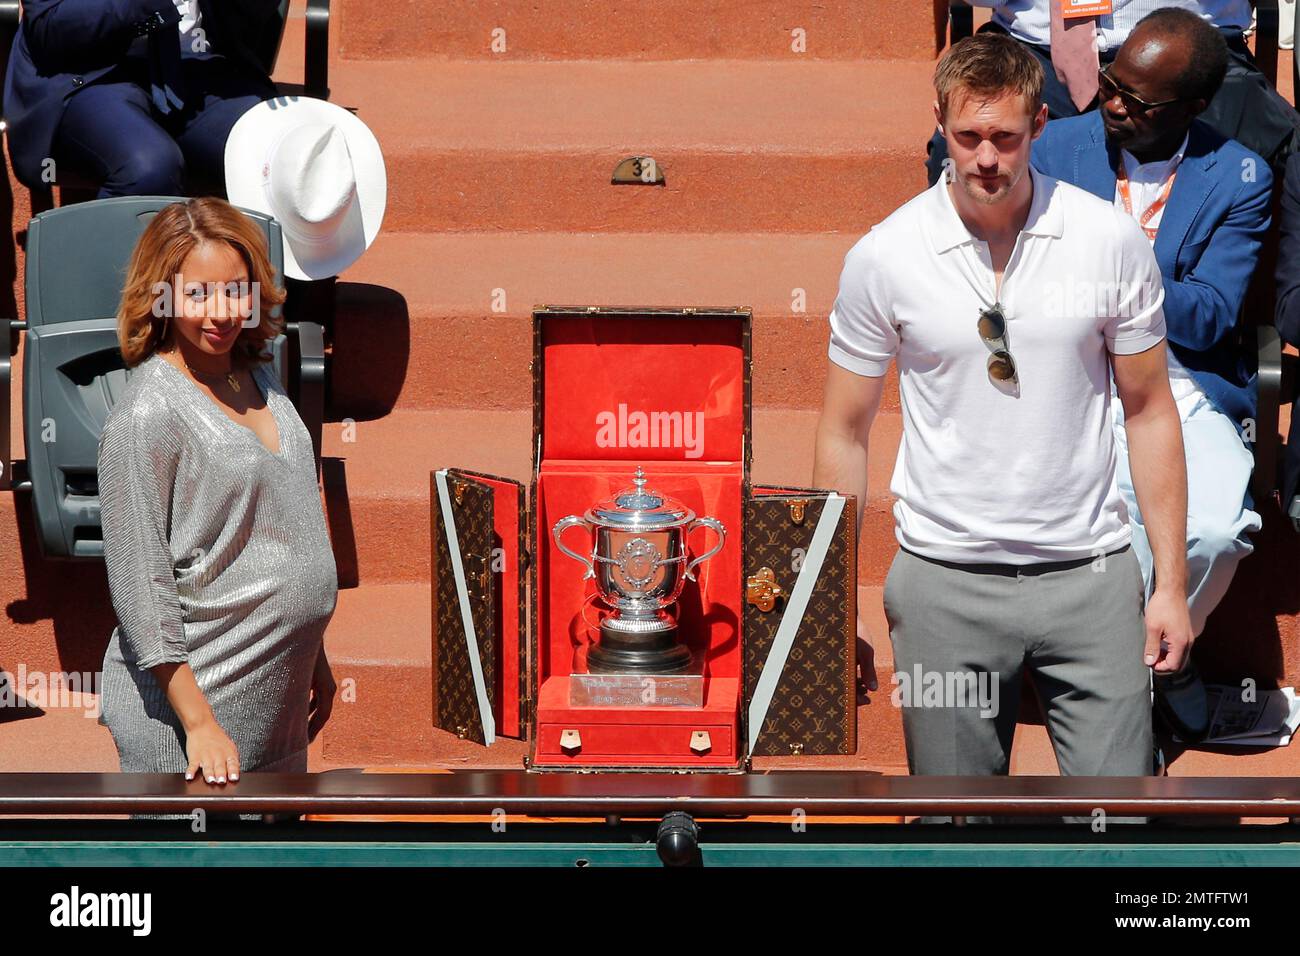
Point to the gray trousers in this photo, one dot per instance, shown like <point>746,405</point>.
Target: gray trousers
<point>963,635</point>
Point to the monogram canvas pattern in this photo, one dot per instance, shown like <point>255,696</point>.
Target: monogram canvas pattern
<point>813,710</point>
<point>520,558</point>
<point>455,701</point>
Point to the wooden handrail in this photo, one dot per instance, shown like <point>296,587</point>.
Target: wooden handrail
<point>816,793</point>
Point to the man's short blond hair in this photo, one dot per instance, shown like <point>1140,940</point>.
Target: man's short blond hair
<point>988,66</point>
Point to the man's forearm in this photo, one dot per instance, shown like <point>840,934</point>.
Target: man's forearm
<point>1158,466</point>
<point>840,463</point>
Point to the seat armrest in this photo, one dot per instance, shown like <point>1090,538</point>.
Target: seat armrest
<point>1266,31</point>
<point>7,349</point>
<point>1263,481</point>
<point>310,399</point>
<point>316,75</point>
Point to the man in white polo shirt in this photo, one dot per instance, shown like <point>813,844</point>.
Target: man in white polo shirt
<point>1006,298</point>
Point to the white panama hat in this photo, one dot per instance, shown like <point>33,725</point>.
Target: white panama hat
<point>319,171</point>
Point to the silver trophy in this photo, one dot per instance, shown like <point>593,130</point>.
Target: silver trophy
<point>639,559</point>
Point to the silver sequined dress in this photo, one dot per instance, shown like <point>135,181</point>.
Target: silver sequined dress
<point>217,554</point>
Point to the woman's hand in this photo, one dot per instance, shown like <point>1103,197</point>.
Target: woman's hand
<point>322,696</point>
<point>208,747</point>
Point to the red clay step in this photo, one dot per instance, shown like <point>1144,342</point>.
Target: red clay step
<point>379,642</point>
<point>376,477</point>
<point>434,295</point>
<point>379,489</point>
<point>530,146</point>
<point>666,29</point>
<point>777,147</point>
<point>57,739</point>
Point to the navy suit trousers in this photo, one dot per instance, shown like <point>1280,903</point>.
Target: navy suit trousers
<point>112,135</point>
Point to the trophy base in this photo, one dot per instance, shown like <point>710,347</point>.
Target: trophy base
<point>588,688</point>
<point>636,647</point>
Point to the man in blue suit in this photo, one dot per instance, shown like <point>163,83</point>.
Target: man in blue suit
<point>135,95</point>
<point>1204,202</point>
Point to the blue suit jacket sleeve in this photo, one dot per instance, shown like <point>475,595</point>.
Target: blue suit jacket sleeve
<point>1288,254</point>
<point>1046,155</point>
<point>1202,306</point>
<point>75,36</point>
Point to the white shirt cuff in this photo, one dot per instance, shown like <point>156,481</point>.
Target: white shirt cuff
<point>1132,343</point>
<point>872,368</point>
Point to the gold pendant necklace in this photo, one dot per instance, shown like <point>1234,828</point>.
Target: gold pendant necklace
<point>230,376</point>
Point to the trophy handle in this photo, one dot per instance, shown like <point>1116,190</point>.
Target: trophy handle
<point>563,525</point>
<point>716,525</point>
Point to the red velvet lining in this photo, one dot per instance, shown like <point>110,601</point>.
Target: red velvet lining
<point>620,392</point>
<point>662,389</point>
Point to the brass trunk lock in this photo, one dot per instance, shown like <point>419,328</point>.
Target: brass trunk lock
<point>762,591</point>
<point>796,748</point>
<point>459,490</point>
<point>797,507</point>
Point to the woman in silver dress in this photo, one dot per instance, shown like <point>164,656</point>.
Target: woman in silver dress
<point>218,558</point>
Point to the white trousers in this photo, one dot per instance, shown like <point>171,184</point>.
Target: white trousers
<point>1219,514</point>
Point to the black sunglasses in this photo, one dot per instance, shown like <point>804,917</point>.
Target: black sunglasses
<point>1132,102</point>
<point>993,330</point>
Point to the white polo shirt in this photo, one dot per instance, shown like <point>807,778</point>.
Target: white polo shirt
<point>987,472</point>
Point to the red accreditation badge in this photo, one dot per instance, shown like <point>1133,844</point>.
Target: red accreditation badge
<point>1072,9</point>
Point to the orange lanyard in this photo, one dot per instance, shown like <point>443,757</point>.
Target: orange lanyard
<point>1121,180</point>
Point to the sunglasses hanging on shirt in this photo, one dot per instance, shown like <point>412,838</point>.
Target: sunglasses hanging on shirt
<point>993,330</point>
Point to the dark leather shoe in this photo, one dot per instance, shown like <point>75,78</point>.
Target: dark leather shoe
<point>1181,702</point>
